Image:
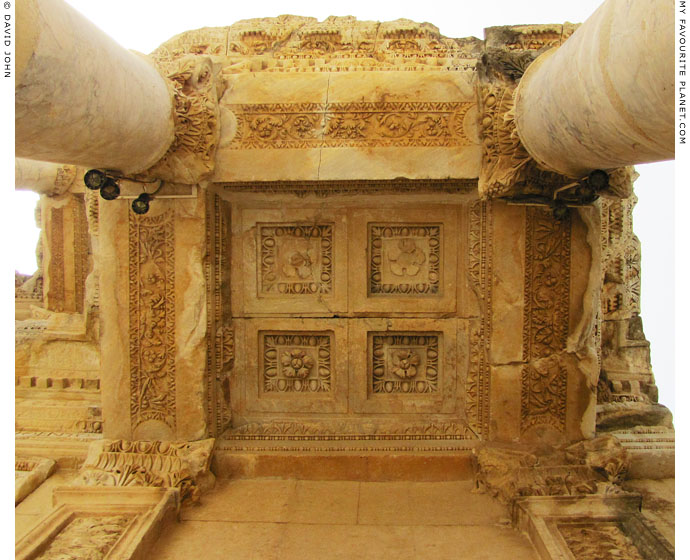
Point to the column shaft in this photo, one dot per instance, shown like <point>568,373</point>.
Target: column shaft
<point>81,98</point>
<point>604,99</point>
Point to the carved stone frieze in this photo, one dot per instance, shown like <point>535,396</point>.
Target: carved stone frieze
<point>303,44</point>
<point>546,319</point>
<point>196,87</point>
<point>598,540</point>
<point>361,124</point>
<point>152,319</point>
<point>532,37</point>
<point>352,431</point>
<point>89,537</point>
<point>323,189</point>
<point>182,465</point>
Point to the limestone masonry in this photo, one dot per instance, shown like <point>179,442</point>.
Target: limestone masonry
<point>299,262</point>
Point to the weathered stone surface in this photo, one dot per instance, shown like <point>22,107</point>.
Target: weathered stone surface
<point>355,270</point>
<point>155,464</point>
<point>29,474</point>
<point>590,467</point>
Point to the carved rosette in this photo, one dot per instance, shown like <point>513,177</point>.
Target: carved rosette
<point>405,362</point>
<point>405,259</point>
<point>546,316</point>
<point>152,319</point>
<point>196,87</point>
<point>297,362</point>
<point>296,259</point>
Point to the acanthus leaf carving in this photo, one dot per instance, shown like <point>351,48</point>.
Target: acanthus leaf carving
<point>183,465</point>
<point>595,466</point>
<point>196,87</point>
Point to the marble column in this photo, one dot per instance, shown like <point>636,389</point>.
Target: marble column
<point>604,99</point>
<point>43,177</point>
<point>81,98</point>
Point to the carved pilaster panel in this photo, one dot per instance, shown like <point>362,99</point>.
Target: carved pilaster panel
<point>81,252</point>
<point>546,319</point>
<point>152,319</point>
<point>56,269</point>
<point>221,334</point>
<point>480,255</point>
<point>69,253</point>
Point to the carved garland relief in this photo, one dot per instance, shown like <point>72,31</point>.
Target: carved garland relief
<point>152,319</point>
<point>546,315</point>
<point>362,124</point>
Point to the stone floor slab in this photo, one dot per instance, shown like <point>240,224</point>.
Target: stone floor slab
<point>258,501</point>
<point>219,540</point>
<point>324,502</point>
<point>475,542</point>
